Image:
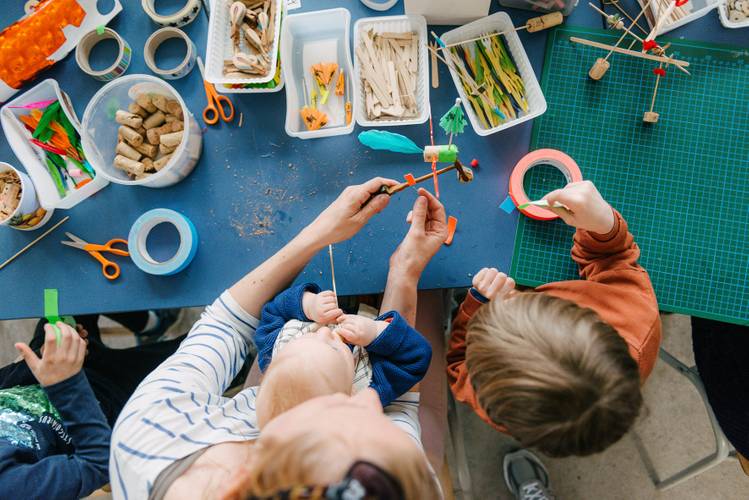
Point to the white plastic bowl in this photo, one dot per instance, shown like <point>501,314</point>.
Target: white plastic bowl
<point>99,131</point>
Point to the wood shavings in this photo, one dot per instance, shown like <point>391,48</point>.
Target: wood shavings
<point>389,66</point>
<point>252,34</point>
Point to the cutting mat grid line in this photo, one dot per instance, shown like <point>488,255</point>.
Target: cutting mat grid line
<point>682,184</point>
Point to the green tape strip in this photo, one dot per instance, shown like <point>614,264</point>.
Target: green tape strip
<point>448,154</point>
<point>51,311</point>
<point>100,30</point>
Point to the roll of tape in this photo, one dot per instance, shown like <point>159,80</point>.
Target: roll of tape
<point>552,157</point>
<point>159,37</point>
<point>89,40</point>
<point>188,244</point>
<point>182,17</point>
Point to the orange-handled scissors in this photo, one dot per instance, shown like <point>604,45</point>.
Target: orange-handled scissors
<point>109,269</point>
<point>217,104</point>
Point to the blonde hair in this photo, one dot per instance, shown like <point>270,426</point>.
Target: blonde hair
<point>314,459</point>
<point>553,373</point>
<point>290,382</point>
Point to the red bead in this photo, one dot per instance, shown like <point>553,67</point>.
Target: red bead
<point>679,3</point>
<point>474,163</point>
<point>648,45</point>
<point>659,71</point>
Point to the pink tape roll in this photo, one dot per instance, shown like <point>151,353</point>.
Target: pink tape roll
<point>552,157</point>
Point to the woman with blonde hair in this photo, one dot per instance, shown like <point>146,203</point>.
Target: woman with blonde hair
<point>178,437</point>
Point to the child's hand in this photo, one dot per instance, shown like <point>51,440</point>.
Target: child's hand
<point>321,307</point>
<point>490,283</point>
<point>587,208</point>
<point>59,362</point>
<point>358,330</point>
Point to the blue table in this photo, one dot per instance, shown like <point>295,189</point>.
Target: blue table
<point>257,174</point>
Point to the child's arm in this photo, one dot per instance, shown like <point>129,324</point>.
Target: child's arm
<point>68,476</point>
<point>301,302</point>
<point>400,356</point>
<point>488,284</point>
<point>602,242</point>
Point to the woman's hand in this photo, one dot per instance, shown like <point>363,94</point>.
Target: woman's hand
<point>425,237</point>
<point>59,362</point>
<point>349,212</point>
<point>587,208</point>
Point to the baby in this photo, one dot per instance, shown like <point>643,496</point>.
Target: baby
<point>302,356</point>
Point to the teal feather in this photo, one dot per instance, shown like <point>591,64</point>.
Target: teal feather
<point>389,141</point>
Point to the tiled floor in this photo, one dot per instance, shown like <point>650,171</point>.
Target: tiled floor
<point>674,429</point>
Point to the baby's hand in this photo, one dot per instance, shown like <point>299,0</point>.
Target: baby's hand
<point>358,330</point>
<point>321,307</point>
<point>490,283</point>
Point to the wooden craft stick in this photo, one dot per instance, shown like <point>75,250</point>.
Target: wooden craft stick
<point>455,166</point>
<point>43,235</point>
<point>435,69</point>
<point>650,57</point>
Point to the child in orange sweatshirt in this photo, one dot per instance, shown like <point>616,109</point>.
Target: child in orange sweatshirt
<point>560,368</point>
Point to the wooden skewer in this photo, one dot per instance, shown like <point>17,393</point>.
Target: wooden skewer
<point>535,24</point>
<point>618,7</point>
<point>621,38</point>
<point>332,271</point>
<point>638,38</point>
<point>465,176</point>
<point>650,57</point>
<point>44,234</point>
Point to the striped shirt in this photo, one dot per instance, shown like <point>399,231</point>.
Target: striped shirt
<point>179,408</point>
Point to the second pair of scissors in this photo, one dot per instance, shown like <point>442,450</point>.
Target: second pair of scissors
<point>217,104</point>
<point>109,269</point>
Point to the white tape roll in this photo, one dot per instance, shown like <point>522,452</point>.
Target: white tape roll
<point>182,17</point>
<point>188,244</point>
<point>159,37</point>
<point>89,40</point>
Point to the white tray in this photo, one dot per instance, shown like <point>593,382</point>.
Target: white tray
<point>499,22</point>
<point>396,24</point>
<point>306,39</point>
<point>220,46</point>
<point>31,156</point>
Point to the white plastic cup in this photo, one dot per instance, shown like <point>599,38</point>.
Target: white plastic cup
<point>28,215</point>
<point>99,131</point>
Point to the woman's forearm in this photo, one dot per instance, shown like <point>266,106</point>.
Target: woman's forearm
<point>263,283</point>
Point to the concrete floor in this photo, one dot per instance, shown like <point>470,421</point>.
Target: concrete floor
<point>674,430</point>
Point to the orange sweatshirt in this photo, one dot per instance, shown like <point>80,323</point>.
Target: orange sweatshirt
<point>615,286</point>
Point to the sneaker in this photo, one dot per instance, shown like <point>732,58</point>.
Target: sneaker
<point>166,318</point>
<point>526,477</point>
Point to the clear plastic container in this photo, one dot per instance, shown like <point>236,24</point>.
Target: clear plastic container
<point>395,24</point>
<point>99,136</point>
<point>220,47</point>
<point>543,6</point>
<point>499,23</point>
<point>32,157</point>
<point>307,39</point>
<point>28,215</point>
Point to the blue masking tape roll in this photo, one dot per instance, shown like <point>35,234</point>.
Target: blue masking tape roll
<point>188,244</point>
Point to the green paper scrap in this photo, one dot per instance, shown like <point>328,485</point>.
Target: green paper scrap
<point>100,30</point>
<point>51,311</point>
<point>49,114</point>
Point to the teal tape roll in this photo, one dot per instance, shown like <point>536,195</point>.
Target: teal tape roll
<point>188,244</point>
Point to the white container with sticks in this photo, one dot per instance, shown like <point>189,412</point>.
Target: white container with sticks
<point>498,23</point>
<point>394,24</point>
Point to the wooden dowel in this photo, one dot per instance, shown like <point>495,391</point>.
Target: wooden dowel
<point>332,272</point>
<point>534,24</point>
<point>650,57</point>
<point>618,7</point>
<point>655,91</point>
<point>44,234</point>
<point>400,187</point>
<point>616,45</point>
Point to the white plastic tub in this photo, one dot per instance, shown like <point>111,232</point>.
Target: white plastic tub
<point>28,215</point>
<point>699,8</point>
<point>100,131</point>
<point>396,24</point>
<point>220,47</point>
<point>307,39</point>
<point>32,157</point>
<point>725,21</point>
<point>499,22</point>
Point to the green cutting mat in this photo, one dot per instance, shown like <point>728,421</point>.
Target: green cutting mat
<point>682,184</point>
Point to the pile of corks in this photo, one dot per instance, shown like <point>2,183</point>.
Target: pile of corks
<point>10,194</point>
<point>150,130</point>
